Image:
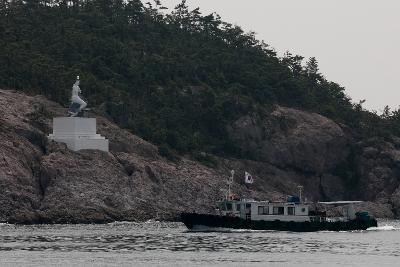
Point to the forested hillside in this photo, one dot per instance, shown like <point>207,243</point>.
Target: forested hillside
<point>176,78</point>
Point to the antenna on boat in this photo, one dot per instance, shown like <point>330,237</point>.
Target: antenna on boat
<point>300,187</point>
<point>230,182</point>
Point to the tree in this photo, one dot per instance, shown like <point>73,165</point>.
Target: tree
<point>312,66</point>
<point>294,63</point>
<point>177,80</point>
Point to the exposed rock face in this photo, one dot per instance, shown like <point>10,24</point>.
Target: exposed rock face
<point>43,181</point>
<point>293,138</point>
<point>379,168</point>
<point>304,146</point>
<point>20,154</point>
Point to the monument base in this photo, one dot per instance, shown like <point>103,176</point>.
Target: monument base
<point>78,133</point>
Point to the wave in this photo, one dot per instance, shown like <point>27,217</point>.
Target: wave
<point>384,228</point>
<point>121,223</point>
<point>152,221</point>
<point>203,228</point>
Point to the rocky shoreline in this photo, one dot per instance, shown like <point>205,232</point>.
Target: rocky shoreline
<point>44,182</point>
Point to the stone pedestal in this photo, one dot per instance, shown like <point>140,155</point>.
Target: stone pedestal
<point>78,133</point>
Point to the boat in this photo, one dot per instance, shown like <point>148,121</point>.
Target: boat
<point>292,215</point>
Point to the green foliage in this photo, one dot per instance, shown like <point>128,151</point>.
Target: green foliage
<point>205,158</point>
<point>167,153</point>
<point>175,79</point>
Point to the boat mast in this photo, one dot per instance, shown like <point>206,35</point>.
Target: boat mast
<point>230,182</point>
<point>300,187</point>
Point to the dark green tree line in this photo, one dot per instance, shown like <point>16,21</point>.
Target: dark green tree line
<point>175,78</point>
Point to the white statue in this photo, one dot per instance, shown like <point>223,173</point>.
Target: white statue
<point>77,104</point>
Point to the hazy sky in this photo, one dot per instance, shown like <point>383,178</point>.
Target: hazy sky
<point>356,42</point>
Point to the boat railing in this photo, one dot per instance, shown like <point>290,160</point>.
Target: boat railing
<point>317,219</point>
<point>336,219</point>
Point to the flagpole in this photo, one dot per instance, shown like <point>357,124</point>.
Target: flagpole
<point>230,181</point>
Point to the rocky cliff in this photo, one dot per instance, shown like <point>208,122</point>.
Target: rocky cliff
<point>42,181</point>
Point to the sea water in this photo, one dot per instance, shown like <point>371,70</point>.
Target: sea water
<point>171,244</point>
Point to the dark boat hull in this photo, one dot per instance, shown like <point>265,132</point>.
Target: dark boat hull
<point>214,221</point>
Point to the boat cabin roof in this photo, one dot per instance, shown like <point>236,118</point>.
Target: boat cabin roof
<point>340,203</point>
<point>261,202</point>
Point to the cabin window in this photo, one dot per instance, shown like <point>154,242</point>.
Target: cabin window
<point>263,210</point>
<point>228,206</point>
<point>290,210</point>
<point>278,210</point>
<point>248,206</point>
<point>238,207</point>
<point>303,209</point>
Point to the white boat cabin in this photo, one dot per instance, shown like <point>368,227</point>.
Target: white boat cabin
<point>292,210</point>
<point>265,210</point>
